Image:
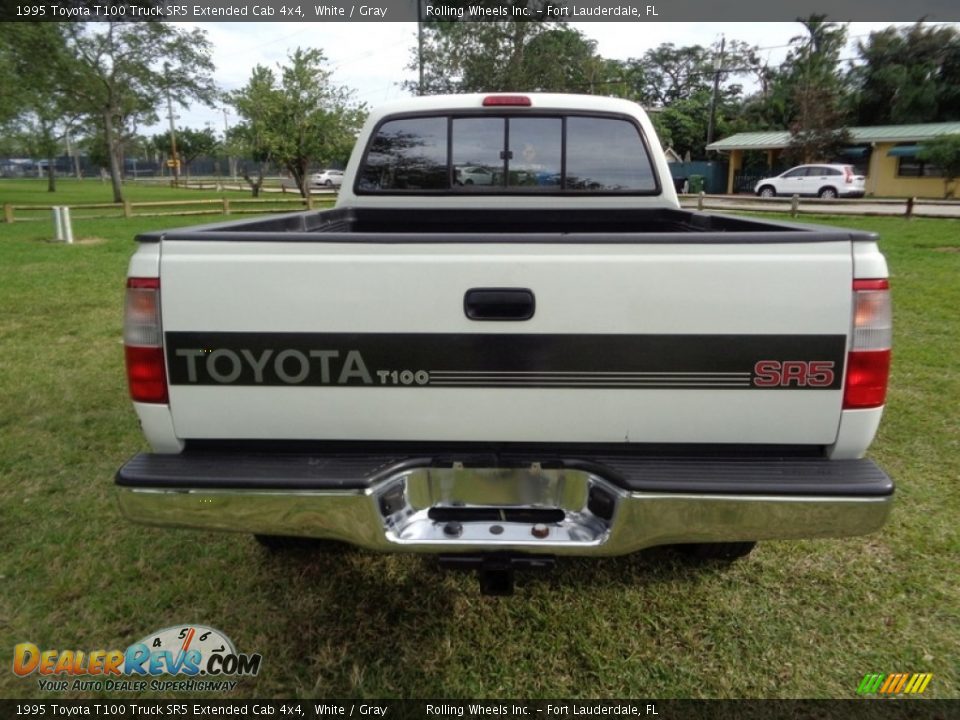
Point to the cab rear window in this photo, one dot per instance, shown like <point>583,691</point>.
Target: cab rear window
<point>507,154</point>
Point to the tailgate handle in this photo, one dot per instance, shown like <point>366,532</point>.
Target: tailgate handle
<point>499,304</point>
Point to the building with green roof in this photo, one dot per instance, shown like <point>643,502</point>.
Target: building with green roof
<point>886,154</point>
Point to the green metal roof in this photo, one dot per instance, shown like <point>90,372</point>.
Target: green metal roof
<point>772,140</point>
<point>775,140</point>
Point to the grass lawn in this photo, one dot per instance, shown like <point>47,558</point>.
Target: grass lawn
<point>795,619</point>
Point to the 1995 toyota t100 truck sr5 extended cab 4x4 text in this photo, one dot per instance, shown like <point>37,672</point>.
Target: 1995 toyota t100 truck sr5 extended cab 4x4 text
<point>507,342</point>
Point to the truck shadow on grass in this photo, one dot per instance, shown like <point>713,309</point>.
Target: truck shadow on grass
<point>330,558</point>
<point>363,619</point>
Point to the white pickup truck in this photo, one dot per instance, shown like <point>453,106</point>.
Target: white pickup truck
<point>507,342</point>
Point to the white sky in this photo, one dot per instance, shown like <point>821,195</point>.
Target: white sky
<point>371,57</point>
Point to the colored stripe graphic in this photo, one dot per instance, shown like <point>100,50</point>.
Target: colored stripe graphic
<point>870,683</point>
<point>894,683</point>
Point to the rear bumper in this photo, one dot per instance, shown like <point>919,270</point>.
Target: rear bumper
<point>590,505</point>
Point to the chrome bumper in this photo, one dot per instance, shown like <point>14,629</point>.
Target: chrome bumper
<point>525,510</point>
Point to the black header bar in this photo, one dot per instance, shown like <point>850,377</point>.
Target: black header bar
<point>188,708</point>
<point>627,11</point>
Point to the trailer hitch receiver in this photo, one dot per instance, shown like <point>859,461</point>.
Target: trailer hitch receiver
<point>495,571</point>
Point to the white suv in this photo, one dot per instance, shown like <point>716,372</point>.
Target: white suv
<point>825,181</point>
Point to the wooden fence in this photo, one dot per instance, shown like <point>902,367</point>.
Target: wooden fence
<point>224,206</point>
<point>287,203</point>
<point>883,207</point>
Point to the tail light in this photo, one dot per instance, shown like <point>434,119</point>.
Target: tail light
<point>143,341</point>
<point>848,175</point>
<point>868,362</point>
<point>507,101</point>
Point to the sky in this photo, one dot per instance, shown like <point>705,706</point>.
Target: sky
<point>371,58</point>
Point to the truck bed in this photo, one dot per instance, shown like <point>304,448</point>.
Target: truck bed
<point>375,225</point>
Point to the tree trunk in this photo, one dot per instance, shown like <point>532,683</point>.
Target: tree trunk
<point>51,177</point>
<point>255,185</point>
<point>113,152</point>
<point>300,176</point>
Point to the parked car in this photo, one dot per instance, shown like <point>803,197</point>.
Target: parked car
<point>327,178</point>
<point>825,181</point>
<point>474,175</point>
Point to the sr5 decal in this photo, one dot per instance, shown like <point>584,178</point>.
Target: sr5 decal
<point>798,373</point>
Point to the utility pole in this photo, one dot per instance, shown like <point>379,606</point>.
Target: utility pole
<point>420,44</point>
<point>174,158</point>
<point>717,68</point>
<point>71,156</point>
<point>231,161</point>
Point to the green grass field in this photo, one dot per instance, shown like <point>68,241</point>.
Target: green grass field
<point>795,619</point>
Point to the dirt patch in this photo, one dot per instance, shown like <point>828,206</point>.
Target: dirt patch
<point>948,249</point>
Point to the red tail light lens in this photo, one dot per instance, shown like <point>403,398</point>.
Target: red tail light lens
<point>143,341</point>
<point>506,100</point>
<point>848,175</point>
<point>146,374</point>
<point>868,362</point>
<point>867,376</point>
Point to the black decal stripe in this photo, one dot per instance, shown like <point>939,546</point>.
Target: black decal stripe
<point>691,379</point>
<point>563,374</point>
<point>596,386</point>
<point>488,359</point>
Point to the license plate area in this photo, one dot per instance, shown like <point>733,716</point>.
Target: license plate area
<point>527,508</point>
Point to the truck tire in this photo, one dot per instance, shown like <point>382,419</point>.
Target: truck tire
<point>726,551</point>
<point>287,543</point>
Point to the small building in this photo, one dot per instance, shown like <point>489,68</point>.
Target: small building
<point>886,155</point>
<point>672,155</point>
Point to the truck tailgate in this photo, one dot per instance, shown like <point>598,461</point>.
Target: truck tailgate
<point>627,342</point>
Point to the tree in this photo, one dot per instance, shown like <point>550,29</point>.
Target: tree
<point>817,127</point>
<point>462,57</point>
<point>297,117</point>
<point>11,93</point>
<point>909,75</point>
<point>38,130</point>
<point>117,73</point>
<point>679,83</point>
<point>806,94</point>
<point>38,111</point>
<point>944,152</point>
<point>191,144</point>
<point>251,136</point>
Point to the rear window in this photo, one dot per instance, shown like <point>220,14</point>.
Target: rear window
<point>507,154</point>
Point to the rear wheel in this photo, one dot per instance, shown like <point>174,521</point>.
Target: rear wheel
<point>767,191</point>
<point>728,551</point>
<point>328,183</point>
<point>828,193</point>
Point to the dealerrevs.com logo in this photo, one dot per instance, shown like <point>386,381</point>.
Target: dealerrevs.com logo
<point>205,656</point>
